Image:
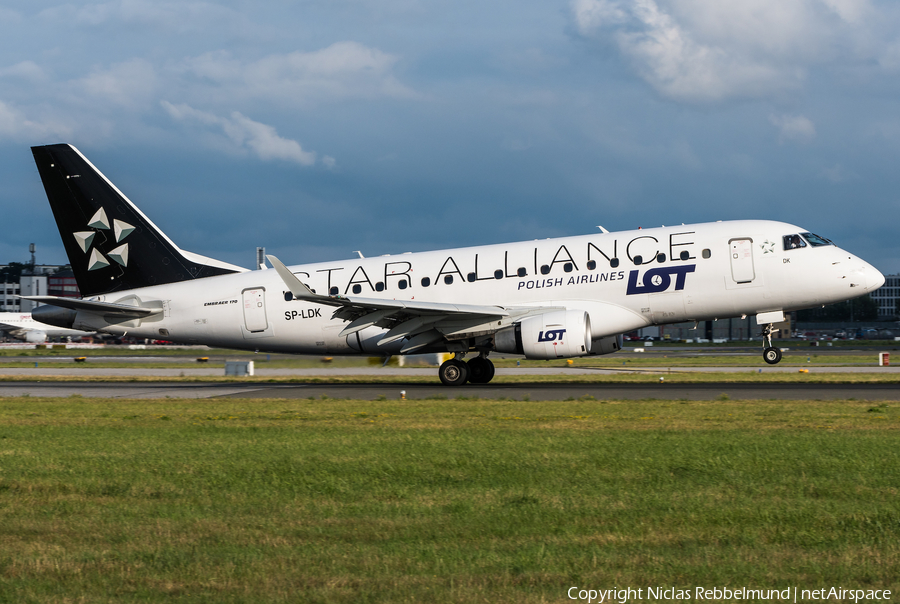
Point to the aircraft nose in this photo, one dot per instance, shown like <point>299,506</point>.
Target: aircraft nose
<point>874,278</point>
<point>861,274</point>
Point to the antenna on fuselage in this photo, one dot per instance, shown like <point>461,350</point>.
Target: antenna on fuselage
<point>602,229</point>
<point>358,252</point>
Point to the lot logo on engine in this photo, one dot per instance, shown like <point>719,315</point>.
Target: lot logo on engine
<point>551,335</point>
<point>658,279</point>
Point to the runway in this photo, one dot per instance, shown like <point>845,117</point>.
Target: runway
<point>35,373</point>
<point>521,391</point>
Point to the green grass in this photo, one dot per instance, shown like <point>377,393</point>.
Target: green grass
<point>327,500</point>
<point>663,357</point>
<point>109,365</point>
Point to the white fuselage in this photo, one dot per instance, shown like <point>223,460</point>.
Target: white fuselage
<point>624,280</point>
<point>22,327</point>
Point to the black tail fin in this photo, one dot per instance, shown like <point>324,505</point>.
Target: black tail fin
<point>111,245</point>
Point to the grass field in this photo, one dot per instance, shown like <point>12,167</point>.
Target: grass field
<point>440,501</point>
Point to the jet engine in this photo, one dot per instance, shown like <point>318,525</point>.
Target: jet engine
<point>552,335</point>
<point>54,315</point>
<point>35,336</point>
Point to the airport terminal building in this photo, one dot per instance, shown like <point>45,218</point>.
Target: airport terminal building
<point>887,297</point>
<point>39,280</point>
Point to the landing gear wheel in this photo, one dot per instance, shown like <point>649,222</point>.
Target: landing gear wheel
<point>481,370</point>
<point>772,355</point>
<point>453,373</point>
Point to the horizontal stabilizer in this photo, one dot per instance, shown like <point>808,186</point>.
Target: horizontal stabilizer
<point>105,308</point>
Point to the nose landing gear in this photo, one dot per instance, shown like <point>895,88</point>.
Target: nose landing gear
<point>771,354</point>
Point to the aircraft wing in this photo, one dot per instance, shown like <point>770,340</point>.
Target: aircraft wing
<point>105,308</point>
<point>423,323</point>
<point>16,331</point>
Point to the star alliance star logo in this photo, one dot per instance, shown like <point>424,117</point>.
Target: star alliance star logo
<point>120,229</point>
<point>767,247</point>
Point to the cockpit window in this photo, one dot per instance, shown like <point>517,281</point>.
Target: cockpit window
<point>792,242</point>
<point>815,240</point>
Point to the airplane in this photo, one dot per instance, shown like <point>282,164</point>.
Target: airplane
<point>22,326</point>
<point>544,299</point>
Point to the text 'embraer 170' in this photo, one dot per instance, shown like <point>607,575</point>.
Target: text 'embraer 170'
<point>549,299</point>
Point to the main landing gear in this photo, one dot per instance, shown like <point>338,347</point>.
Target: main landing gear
<point>456,372</point>
<point>771,354</point>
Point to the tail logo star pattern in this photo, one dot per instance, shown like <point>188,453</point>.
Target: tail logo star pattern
<point>100,222</point>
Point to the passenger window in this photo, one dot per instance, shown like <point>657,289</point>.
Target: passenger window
<point>498,274</point>
<point>426,281</point>
<point>521,272</point>
<point>357,289</point>
<point>793,242</point>
<point>448,279</point>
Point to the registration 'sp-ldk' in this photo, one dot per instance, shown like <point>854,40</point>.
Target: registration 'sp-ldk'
<point>547,299</point>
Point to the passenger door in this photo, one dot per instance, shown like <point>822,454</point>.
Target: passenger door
<point>741,253</point>
<point>255,309</point>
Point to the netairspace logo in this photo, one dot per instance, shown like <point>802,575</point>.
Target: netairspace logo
<point>789,594</point>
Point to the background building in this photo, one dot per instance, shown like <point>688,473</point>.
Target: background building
<point>9,301</point>
<point>887,297</point>
<point>31,285</point>
<point>26,279</point>
<point>62,283</point>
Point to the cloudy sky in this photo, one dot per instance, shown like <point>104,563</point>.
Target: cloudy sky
<point>322,127</point>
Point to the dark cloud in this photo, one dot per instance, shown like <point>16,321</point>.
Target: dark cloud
<point>320,128</point>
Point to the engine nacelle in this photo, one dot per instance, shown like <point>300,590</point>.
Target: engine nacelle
<point>554,335</point>
<point>54,315</point>
<point>35,336</point>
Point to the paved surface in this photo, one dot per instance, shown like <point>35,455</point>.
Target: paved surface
<point>86,370</point>
<point>418,391</point>
<point>118,390</point>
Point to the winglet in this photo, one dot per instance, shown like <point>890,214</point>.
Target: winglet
<point>296,287</point>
